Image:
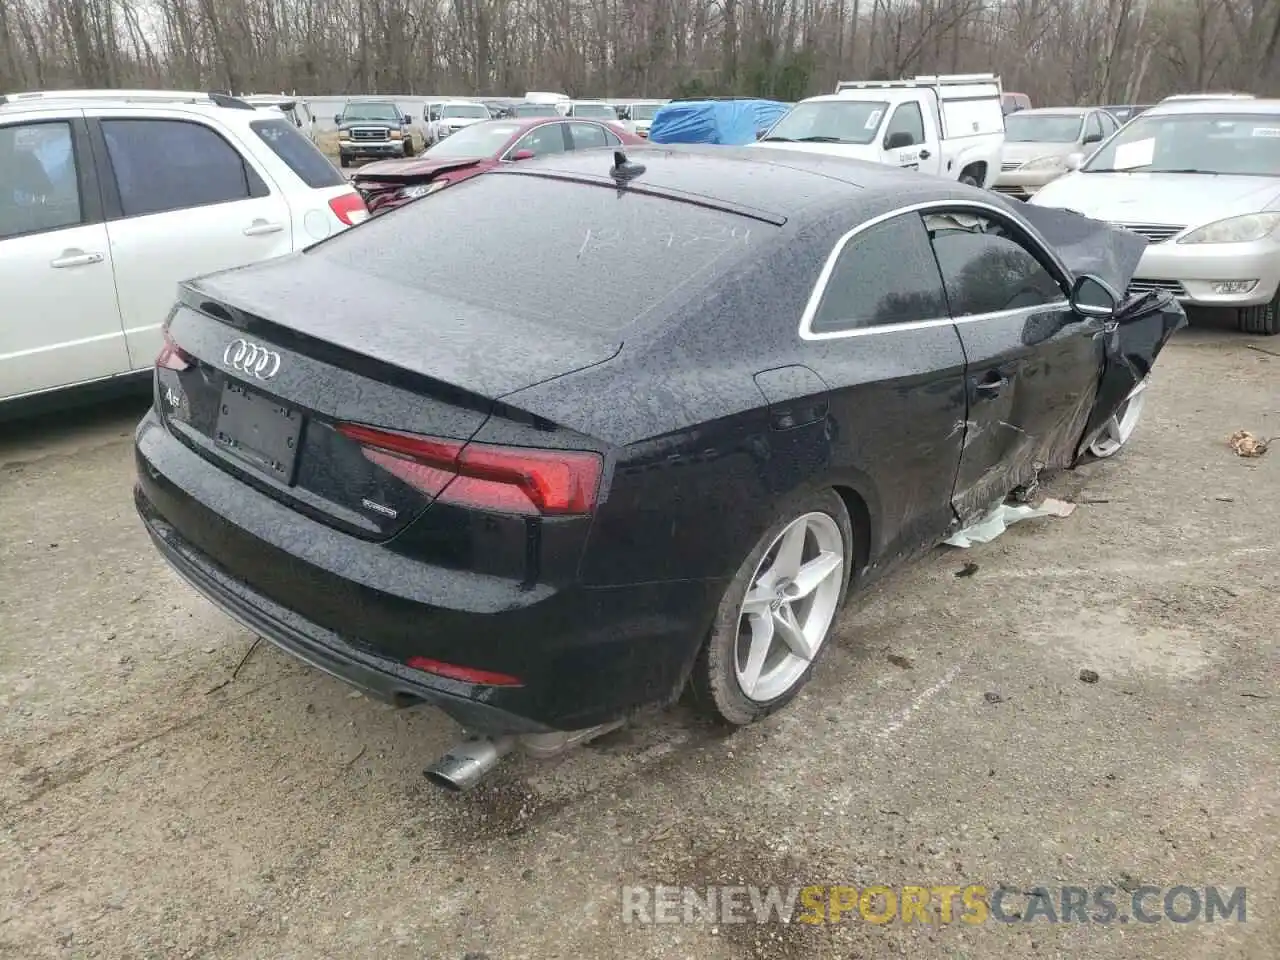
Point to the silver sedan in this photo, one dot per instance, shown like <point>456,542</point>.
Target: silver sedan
<point>1201,181</point>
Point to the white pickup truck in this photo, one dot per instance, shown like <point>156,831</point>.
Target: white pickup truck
<point>951,126</point>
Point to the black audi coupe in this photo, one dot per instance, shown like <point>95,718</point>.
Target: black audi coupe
<point>714,391</point>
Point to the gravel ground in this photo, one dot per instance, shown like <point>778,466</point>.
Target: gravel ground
<point>152,806</point>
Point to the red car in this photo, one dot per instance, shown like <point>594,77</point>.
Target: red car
<point>387,184</point>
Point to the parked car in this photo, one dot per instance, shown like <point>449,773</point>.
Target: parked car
<point>1200,180</point>
<point>454,116</point>
<point>475,149</point>
<point>1038,142</point>
<point>373,128</point>
<point>589,110</point>
<point>1199,97</point>
<point>545,503</point>
<point>522,110</point>
<point>727,121</point>
<point>1126,112</point>
<point>949,125</point>
<point>498,107</point>
<point>108,198</point>
<point>640,114</point>
<point>298,112</point>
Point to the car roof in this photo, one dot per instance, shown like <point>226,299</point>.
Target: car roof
<point>784,185</point>
<point>1057,111</point>
<point>1214,106</point>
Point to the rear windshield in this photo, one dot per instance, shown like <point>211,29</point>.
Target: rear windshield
<point>303,158</point>
<point>558,252</point>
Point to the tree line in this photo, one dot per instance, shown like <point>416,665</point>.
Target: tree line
<point>1057,51</point>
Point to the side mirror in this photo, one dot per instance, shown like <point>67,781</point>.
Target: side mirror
<point>522,155</point>
<point>337,119</point>
<point>761,134</point>
<point>408,119</point>
<point>896,141</point>
<point>1074,161</point>
<point>1091,297</point>
<point>1092,138</point>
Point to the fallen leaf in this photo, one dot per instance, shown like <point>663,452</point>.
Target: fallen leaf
<point>1245,444</point>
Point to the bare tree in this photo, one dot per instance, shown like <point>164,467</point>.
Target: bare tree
<point>1058,51</point>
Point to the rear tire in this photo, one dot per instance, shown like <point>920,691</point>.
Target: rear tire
<point>1264,319</point>
<point>785,596</point>
<point>970,176</point>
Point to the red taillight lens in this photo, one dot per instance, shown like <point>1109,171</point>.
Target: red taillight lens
<point>172,356</point>
<point>349,208</point>
<point>501,479</point>
<point>465,674</point>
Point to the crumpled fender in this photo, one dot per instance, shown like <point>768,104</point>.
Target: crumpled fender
<point>1132,339</point>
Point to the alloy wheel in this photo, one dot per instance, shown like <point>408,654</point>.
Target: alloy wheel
<point>789,607</point>
<point>1117,431</point>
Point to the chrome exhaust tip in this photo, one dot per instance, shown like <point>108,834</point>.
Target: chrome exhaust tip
<point>471,760</point>
<point>467,763</point>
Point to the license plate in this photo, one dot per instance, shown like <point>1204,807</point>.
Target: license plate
<point>259,430</point>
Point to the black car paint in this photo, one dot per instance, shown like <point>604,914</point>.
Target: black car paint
<point>709,416</point>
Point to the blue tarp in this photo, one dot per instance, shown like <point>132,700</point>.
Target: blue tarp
<point>728,122</point>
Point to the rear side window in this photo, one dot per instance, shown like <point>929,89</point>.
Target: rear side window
<point>300,154</point>
<point>884,275</point>
<point>39,189</point>
<point>163,165</point>
<point>567,254</point>
<point>588,135</point>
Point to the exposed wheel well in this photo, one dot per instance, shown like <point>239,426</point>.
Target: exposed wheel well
<point>978,170</point>
<point>860,518</point>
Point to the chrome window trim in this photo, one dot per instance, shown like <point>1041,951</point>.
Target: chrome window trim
<point>976,206</point>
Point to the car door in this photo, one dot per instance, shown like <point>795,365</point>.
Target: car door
<point>181,201</point>
<point>882,339</point>
<point>584,135</point>
<point>60,324</point>
<point>906,142</point>
<point>1033,363</point>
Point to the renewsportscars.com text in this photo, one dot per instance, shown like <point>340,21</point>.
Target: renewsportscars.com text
<point>971,904</point>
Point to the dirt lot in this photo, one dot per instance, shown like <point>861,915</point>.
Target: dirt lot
<point>150,808</point>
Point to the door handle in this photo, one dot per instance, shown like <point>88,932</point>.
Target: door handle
<point>75,258</point>
<point>925,154</point>
<point>990,387</point>
<point>261,227</point>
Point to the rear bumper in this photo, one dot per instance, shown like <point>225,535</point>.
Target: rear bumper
<point>359,610</point>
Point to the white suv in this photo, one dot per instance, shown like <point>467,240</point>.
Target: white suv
<point>109,198</point>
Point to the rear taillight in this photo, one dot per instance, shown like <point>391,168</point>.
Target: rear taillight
<point>349,208</point>
<point>172,356</point>
<point>500,479</point>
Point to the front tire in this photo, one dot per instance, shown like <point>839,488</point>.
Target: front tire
<point>774,618</point>
<point>344,160</point>
<point>1264,319</point>
<point>1117,431</point>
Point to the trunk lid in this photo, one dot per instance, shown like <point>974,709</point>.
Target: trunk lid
<point>411,171</point>
<point>269,360</point>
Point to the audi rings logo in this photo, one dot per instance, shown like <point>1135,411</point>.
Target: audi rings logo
<point>252,359</point>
